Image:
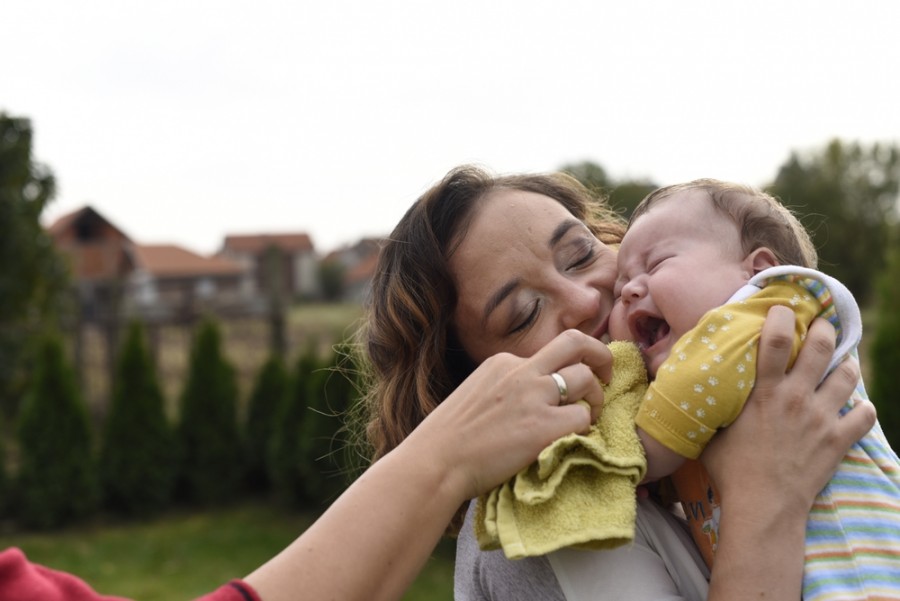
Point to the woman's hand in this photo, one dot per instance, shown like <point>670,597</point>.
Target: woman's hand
<point>774,459</point>
<point>790,437</point>
<point>498,420</point>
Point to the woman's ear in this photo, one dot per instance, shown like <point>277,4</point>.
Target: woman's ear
<point>758,260</point>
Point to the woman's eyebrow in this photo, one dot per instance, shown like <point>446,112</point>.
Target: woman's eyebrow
<point>498,298</point>
<point>561,231</point>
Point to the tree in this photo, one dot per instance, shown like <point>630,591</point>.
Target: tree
<point>5,489</point>
<point>846,194</point>
<point>287,457</point>
<point>884,354</point>
<point>57,480</point>
<point>274,281</point>
<point>623,195</point>
<point>327,465</point>
<point>266,399</point>
<point>331,279</point>
<point>33,277</point>
<point>137,459</point>
<point>211,454</point>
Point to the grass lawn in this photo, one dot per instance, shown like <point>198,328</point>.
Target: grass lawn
<point>186,554</point>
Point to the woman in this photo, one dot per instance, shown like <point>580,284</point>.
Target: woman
<point>482,268</point>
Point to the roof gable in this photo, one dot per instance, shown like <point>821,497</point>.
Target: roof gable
<point>72,224</point>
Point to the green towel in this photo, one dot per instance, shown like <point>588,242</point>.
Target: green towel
<point>581,489</point>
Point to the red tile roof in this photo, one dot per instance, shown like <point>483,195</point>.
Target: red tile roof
<point>66,221</point>
<point>168,260</point>
<point>257,243</point>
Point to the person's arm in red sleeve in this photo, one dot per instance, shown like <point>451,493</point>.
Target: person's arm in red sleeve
<point>21,580</point>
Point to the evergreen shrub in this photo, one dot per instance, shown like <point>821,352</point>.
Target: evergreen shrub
<point>211,455</point>
<point>328,461</point>
<point>265,400</point>
<point>137,458</point>
<point>287,450</point>
<point>57,478</point>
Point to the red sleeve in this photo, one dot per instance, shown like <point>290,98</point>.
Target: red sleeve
<point>236,590</point>
<point>21,580</point>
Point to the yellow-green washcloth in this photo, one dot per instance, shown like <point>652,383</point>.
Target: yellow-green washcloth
<point>581,489</point>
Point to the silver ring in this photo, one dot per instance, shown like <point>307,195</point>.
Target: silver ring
<point>561,385</point>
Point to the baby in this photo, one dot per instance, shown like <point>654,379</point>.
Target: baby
<point>699,268</point>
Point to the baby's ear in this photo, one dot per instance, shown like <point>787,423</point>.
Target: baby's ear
<point>760,259</point>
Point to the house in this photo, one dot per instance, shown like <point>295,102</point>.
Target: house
<point>116,277</point>
<point>357,266</point>
<point>100,259</point>
<point>169,282</point>
<point>291,256</point>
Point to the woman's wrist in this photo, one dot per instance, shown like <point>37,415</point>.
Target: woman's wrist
<point>436,470</point>
<point>761,549</point>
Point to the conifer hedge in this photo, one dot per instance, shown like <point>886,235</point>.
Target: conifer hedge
<point>5,489</point>
<point>287,452</point>
<point>268,392</point>
<point>57,478</point>
<point>328,465</point>
<point>137,457</point>
<point>208,437</point>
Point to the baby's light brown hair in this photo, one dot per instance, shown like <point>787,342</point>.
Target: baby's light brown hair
<point>761,219</point>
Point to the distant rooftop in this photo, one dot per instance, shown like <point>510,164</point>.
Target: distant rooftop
<point>258,243</point>
<point>169,260</point>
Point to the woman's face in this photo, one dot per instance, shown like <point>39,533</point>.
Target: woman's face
<point>525,271</point>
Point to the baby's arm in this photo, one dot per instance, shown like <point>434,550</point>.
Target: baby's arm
<point>661,460</point>
<point>708,376</point>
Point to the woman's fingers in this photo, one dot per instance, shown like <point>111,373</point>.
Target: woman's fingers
<point>583,387</point>
<point>573,347</point>
<point>579,360</point>
<point>839,385</point>
<point>775,343</point>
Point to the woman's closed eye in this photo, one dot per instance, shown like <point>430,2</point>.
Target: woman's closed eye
<point>585,255</point>
<point>527,317</point>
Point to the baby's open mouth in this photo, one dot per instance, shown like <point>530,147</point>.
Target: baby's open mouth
<point>649,330</point>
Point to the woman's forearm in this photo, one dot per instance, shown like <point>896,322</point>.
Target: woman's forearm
<point>373,541</point>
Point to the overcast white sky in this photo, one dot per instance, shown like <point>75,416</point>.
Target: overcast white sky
<point>184,120</point>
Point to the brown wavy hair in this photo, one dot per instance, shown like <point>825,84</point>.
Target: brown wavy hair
<point>411,352</point>
<point>761,219</point>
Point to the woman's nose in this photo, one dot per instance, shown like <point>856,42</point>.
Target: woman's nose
<point>582,303</point>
